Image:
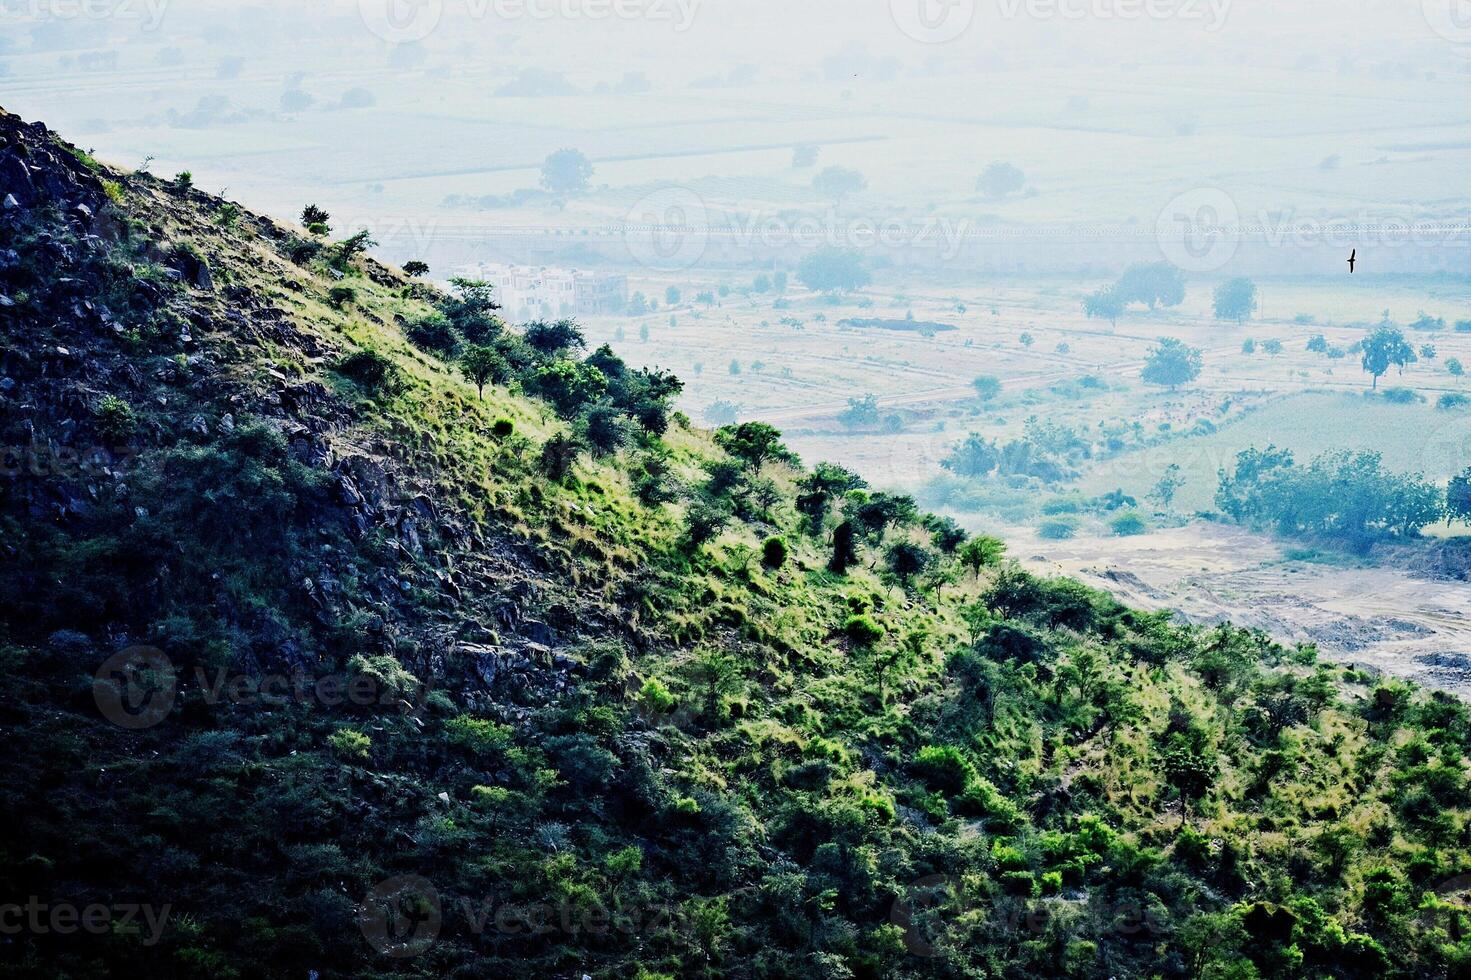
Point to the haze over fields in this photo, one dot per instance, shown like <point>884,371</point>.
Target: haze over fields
<point>990,164</point>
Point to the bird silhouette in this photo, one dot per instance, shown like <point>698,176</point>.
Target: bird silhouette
<point>1351,257</point>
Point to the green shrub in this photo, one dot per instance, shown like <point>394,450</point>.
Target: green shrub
<point>1452,400</point>
<point>1401,396</point>
<point>1058,530</point>
<point>943,768</point>
<point>340,296</point>
<point>349,743</point>
<point>434,333</point>
<point>656,697</point>
<point>116,422</point>
<point>774,552</point>
<point>369,369</point>
<point>480,736</point>
<point>1128,524</point>
<point>862,630</point>
<point>503,428</point>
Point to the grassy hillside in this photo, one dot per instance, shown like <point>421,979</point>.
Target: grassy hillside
<point>319,662</point>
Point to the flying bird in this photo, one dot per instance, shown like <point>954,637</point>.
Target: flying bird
<point>1351,257</point>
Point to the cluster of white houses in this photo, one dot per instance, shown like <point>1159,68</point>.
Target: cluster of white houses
<point>539,292</point>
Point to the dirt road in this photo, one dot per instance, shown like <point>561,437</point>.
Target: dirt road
<point>1383,618</point>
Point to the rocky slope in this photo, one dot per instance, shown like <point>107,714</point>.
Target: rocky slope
<point>319,663</point>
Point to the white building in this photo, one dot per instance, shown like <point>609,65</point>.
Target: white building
<point>543,292</point>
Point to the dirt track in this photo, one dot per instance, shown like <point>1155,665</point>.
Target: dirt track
<point>1384,618</point>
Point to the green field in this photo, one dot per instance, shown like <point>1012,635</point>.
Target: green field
<point>1412,438</point>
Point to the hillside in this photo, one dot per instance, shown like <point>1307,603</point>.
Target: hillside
<point>321,662</point>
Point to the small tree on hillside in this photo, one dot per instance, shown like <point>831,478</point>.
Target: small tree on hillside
<point>1235,299</point>
<point>481,365</point>
<point>1172,364</point>
<point>753,443</point>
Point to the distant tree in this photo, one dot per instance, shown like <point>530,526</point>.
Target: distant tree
<point>1427,352</point>
<point>1248,346</point>
<point>1169,484</point>
<point>804,155</point>
<point>761,284</point>
<point>295,100</point>
<point>834,270</point>
<point>1458,498</point>
<point>482,365</point>
<point>1453,365</point>
<point>672,296</point>
<point>1027,340</point>
<point>1104,304</point>
<point>1154,284</point>
<point>566,173</point>
<point>860,413</point>
<point>1235,299</point>
<point>638,305</point>
<point>1000,180</point>
<point>1272,347</point>
<point>975,456</point>
<point>1386,347</point>
<point>839,182</point>
<point>1318,344</point>
<point>415,269</point>
<point>987,387</point>
<point>1172,364</point>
